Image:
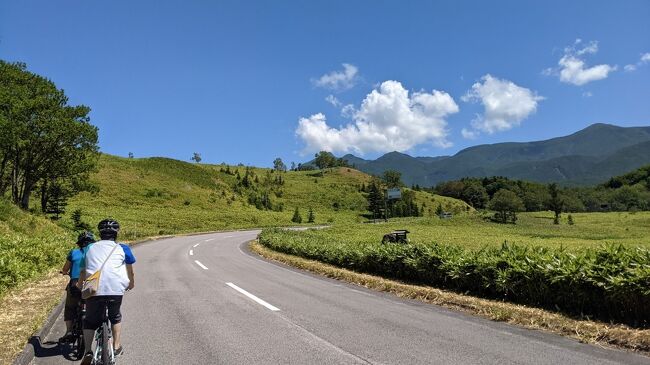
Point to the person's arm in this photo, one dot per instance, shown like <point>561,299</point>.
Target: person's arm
<point>66,267</point>
<point>129,260</point>
<point>129,272</point>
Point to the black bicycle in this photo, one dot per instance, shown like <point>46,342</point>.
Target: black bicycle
<point>103,354</point>
<point>78,342</point>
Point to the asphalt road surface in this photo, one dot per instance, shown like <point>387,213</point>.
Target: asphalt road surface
<point>206,300</point>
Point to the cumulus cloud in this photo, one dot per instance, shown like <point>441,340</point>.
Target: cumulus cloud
<point>505,105</point>
<point>389,119</point>
<point>469,134</point>
<point>573,69</point>
<point>645,58</point>
<point>339,80</point>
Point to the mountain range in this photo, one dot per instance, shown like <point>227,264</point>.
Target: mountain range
<point>589,156</point>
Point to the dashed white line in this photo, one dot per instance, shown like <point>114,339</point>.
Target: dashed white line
<point>211,239</point>
<point>251,296</point>
<point>195,246</point>
<point>191,252</point>
<point>200,264</point>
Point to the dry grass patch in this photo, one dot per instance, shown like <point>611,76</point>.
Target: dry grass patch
<point>23,310</point>
<point>583,330</point>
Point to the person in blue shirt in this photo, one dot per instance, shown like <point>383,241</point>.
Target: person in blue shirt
<point>72,267</point>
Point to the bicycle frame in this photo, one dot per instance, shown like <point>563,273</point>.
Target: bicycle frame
<point>99,341</point>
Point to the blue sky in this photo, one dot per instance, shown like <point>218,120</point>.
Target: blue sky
<point>247,82</point>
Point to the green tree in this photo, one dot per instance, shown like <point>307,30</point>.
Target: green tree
<point>506,204</point>
<point>475,195</point>
<point>196,157</point>
<point>278,165</point>
<point>296,216</point>
<point>44,141</point>
<point>555,203</point>
<point>375,199</point>
<point>392,179</point>
<point>325,159</point>
<point>311,217</point>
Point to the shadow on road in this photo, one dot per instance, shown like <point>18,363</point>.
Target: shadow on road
<point>50,349</point>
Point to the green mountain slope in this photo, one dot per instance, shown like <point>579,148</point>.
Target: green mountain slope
<point>158,196</point>
<point>588,156</point>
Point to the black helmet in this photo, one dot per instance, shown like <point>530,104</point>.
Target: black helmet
<point>108,228</point>
<point>85,238</point>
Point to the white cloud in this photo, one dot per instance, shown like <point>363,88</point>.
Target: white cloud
<point>645,58</point>
<point>469,134</point>
<point>630,68</point>
<point>573,69</point>
<point>587,94</point>
<point>389,119</point>
<point>338,80</point>
<point>348,111</point>
<point>505,105</point>
<point>333,100</point>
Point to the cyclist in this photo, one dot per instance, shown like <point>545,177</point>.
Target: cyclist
<point>72,267</point>
<point>116,278</point>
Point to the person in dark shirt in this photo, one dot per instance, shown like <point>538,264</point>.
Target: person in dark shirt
<point>72,267</point>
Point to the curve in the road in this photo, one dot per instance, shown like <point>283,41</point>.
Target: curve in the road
<point>207,300</point>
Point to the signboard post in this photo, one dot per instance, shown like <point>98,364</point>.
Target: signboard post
<point>391,194</point>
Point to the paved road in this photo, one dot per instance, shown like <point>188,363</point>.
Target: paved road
<point>205,300</point>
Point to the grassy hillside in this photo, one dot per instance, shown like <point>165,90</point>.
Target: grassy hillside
<point>158,196</point>
<point>29,245</point>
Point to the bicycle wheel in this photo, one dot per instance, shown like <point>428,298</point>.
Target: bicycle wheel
<point>106,351</point>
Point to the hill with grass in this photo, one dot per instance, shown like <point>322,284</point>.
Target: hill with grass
<point>586,157</point>
<point>161,196</point>
<point>29,245</point>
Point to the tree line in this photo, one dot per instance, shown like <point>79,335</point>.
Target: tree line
<point>46,145</point>
<point>628,192</point>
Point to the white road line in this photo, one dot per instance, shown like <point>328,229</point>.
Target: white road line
<point>200,264</point>
<point>258,300</point>
<point>195,246</point>
<point>211,239</point>
<point>191,252</point>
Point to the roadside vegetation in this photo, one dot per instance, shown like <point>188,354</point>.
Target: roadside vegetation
<point>595,271</point>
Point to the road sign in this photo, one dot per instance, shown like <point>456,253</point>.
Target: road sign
<point>394,193</point>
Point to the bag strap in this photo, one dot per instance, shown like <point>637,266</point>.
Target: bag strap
<point>108,257</point>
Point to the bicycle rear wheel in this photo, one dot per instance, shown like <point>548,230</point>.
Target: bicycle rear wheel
<point>106,350</point>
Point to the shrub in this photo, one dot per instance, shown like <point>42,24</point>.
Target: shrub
<point>611,282</point>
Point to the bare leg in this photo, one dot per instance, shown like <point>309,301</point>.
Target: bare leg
<point>117,331</point>
<point>68,326</point>
<point>88,340</point>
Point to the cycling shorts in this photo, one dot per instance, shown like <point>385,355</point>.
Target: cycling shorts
<point>95,310</point>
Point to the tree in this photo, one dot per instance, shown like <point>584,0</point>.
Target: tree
<point>77,220</point>
<point>130,154</point>
<point>375,199</point>
<point>296,216</point>
<point>44,141</point>
<point>475,195</point>
<point>325,159</point>
<point>57,202</point>
<point>506,204</point>
<point>196,157</point>
<point>278,165</point>
<point>311,217</point>
<point>555,203</point>
<point>392,179</point>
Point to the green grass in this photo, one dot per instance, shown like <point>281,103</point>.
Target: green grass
<point>599,267</point>
<point>159,196</point>
<point>29,246</point>
<point>472,231</point>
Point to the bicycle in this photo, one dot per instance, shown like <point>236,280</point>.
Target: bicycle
<point>103,354</point>
<point>78,342</point>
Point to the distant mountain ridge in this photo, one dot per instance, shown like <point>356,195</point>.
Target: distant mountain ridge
<point>589,156</point>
